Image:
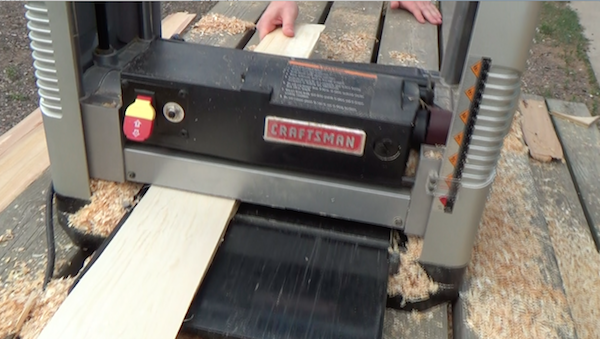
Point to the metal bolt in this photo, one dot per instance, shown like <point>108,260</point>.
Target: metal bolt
<point>183,93</point>
<point>398,221</point>
<point>131,175</point>
<point>184,133</point>
<point>173,112</point>
<point>387,150</point>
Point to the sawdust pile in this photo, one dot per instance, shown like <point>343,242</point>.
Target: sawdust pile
<point>23,286</point>
<point>109,203</point>
<point>433,154</point>
<point>219,24</point>
<point>509,295</point>
<point>405,59</point>
<point>411,281</point>
<point>579,263</point>
<point>354,47</point>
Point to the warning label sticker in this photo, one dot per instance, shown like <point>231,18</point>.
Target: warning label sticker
<point>327,88</point>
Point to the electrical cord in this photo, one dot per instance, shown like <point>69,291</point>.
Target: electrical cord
<point>50,236</point>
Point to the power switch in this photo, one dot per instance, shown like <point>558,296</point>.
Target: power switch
<point>139,119</point>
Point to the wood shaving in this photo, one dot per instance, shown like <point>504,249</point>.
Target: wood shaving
<point>405,59</point>
<point>7,236</point>
<point>21,285</point>
<point>219,24</point>
<point>509,294</point>
<point>353,47</point>
<point>411,281</point>
<point>251,47</point>
<point>514,141</point>
<point>109,203</point>
<point>433,154</point>
<point>579,264</point>
<point>47,305</point>
<point>411,164</point>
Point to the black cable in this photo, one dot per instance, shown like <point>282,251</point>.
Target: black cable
<point>50,236</point>
<point>102,26</point>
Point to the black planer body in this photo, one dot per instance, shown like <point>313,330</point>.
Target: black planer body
<point>356,122</point>
<point>335,164</point>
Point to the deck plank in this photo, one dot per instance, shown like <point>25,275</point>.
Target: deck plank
<point>351,31</point>
<point>248,11</point>
<point>581,147</point>
<point>406,42</point>
<point>25,218</point>
<point>571,239</point>
<point>309,12</point>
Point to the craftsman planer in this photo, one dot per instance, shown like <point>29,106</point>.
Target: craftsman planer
<point>336,164</point>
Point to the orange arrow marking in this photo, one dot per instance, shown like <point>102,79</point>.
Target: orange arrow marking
<point>476,69</point>
<point>453,159</point>
<point>470,93</point>
<point>449,180</point>
<point>464,116</point>
<point>459,138</point>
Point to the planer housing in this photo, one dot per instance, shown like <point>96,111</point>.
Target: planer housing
<point>355,123</point>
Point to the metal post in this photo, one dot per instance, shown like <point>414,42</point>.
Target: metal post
<point>455,51</point>
<point>450,236</point>
<point>55,56</point>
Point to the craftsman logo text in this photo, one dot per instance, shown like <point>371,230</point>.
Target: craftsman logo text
<point>315,135</point>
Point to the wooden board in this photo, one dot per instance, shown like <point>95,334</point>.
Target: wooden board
<point>429,324</point>
<point>175,23</point>
<point>538,131</point>
<point>300,46</point>
<point>143,282</point>
<point>246,10</point>
<point>351,30</point>
<point>582,152</point>
<point>575,250</point>
<point>581,121</point>
<point>21,130</point>
<point>406,42</point>
<point>309,12</point>
<point>23,157</point>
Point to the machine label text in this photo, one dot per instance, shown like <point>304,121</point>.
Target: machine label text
<point>315,135</point>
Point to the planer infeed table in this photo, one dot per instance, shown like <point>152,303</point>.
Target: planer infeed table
<point>317,152</point>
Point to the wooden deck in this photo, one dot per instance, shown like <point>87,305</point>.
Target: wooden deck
<point>390,37</point>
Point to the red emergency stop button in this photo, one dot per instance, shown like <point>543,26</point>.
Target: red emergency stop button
<point>139,119</point>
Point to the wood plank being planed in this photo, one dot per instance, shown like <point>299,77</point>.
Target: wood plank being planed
<point>142,284</point>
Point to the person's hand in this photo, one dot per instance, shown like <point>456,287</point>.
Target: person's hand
<point>422,10</point>
<point>278,13</point>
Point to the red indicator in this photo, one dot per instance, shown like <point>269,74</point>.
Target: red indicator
<point>139,119</point>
